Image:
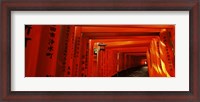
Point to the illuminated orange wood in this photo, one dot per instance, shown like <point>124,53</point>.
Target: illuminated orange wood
<point>118,29</point>
<point>126,46</point>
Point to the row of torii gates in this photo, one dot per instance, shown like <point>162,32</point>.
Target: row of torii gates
<point>98,50</point>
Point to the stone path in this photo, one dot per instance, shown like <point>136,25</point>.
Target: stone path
<point>134,72</point>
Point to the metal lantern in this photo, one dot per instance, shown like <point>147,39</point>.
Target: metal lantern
<point>102,46</point>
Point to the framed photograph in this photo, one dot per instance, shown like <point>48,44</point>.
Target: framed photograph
<point>102,50</point>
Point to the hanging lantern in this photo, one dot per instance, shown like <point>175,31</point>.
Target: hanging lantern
<point>95,51</point>
<point>102,46</point>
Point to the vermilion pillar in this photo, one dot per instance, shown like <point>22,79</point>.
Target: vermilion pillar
<point>32,41</point>
<point>48,50</point>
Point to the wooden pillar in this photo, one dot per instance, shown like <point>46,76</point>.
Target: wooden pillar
<point>70,51</point>
<point>77,51</point>
<point>32,43</point>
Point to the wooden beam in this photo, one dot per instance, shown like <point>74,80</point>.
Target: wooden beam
<point>130,49</point>
<point>118,35</point>
<point>129,45</point>
<point>132,26</point>
<point>123,37</point>
<point>135,38</point>
<point>136,53</point>
<point>92,29</point>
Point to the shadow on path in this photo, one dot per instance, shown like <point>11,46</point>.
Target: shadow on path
<point>141,71</point>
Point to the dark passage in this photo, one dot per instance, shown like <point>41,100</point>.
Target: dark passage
<point>141,71</point>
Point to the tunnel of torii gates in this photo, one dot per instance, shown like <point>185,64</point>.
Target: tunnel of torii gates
<point>98,50</point>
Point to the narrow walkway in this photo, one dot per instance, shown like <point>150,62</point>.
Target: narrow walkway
<point>134,72</point>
